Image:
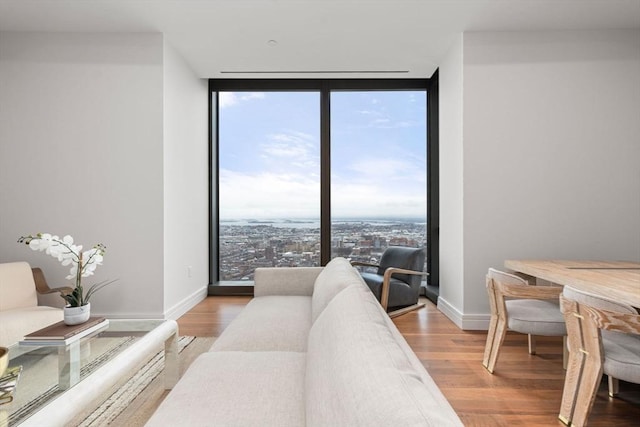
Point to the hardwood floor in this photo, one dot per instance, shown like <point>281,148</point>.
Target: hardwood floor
<point>525,390</point>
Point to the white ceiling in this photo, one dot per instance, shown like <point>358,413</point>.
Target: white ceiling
<point>315,38</point>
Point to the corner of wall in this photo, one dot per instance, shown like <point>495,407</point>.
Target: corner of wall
<point>466,322</point>
<point>185,176</point>
<point>451,177</point>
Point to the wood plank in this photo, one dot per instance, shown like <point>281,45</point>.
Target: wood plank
<point>611,279</point>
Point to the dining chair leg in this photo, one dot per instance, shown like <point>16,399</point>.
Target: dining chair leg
<point>497,327</point>
<point>565,353</point>
<point>614,386</point>
<point>491,335</point>
<point>571,384</point>
<point>589,384</point>
<point>532,344</point>
<point>585,366</point>
<point>575,363</point>
<point>493,345</point>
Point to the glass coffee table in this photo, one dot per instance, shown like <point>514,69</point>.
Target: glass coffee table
<point>58,381</point>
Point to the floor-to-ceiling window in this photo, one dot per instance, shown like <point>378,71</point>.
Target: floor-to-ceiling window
<point>268,181</point>
<point>378,172</point>
<point>306,170</point>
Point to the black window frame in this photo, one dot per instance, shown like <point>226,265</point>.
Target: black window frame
<point>324,87</point>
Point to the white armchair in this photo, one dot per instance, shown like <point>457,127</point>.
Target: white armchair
<point>20,313</point>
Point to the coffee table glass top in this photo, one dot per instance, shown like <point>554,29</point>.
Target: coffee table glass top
<point>48,371</point>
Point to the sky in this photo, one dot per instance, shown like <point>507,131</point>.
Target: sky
<point>269,154</point>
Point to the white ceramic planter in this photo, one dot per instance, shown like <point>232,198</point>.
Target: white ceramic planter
<point>77,315</point>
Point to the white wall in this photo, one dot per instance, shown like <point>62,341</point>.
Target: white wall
<point>186,267</point>
<point>81,154</point>
<point>551,151</point>
<point>88,122</point>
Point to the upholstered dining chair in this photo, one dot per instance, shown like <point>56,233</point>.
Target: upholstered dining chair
<point>520,307</point>
<point>396,282</point>
<point>604,338</point>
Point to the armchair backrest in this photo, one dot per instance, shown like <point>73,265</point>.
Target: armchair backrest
<point>17,287</point>
<point>403,257</point>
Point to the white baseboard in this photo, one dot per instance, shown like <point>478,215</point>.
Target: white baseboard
<point>186,304</point>
<point>129,315</point>
<point>173,313</point>
<point>466,322</point>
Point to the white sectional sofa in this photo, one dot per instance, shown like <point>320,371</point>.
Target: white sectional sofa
<point>313,348</point>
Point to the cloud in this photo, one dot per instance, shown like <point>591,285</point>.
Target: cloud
<point>370,169</point>
<point>384,178</point>
<point>291,136</point>
<point>349,199</point>
<point>228,99</point>
<point>379,186</point>
<point>293,148</point>
<point>399,124</point>
<point>382,120</point>
<point>369,113</point>
<point>268,195</point>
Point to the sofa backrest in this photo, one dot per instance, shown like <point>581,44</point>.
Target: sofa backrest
<point>287,281</point>
<point>334,277</point>
<point>361,372</point>
<point>17,287</point>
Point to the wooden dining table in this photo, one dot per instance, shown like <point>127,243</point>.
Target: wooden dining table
<point>616,280</point>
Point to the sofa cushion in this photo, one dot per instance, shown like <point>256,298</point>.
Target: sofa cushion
<point>269,323</point>
<point>336,275</point>
<point>16,323</point>
<point>358,374</point>
<point>237,389</point>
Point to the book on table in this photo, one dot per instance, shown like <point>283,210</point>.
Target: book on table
<point>61,333</point>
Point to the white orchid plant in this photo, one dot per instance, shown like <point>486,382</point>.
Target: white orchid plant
<point>83,264</point>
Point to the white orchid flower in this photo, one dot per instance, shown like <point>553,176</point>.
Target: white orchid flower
<point>82,264</point>
<point>73,272</point>
<point>38,244</point>
<point>54,245</point>
<point>55,250</point>
<point>75,250</point>
<point>41,242</point>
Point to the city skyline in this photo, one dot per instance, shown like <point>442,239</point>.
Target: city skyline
<point>270,155</point>
<point>334,219</point>
<point>245,246</point>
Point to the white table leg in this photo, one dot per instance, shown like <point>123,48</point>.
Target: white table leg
<point>171,361</point>
<point>69,365</point>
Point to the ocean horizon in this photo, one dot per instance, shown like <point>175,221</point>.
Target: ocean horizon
<point>315,223</point>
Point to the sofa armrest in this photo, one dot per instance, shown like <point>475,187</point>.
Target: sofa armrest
<point>285,281</point>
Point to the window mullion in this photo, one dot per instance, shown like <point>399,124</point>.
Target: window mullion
<point>325,176</point>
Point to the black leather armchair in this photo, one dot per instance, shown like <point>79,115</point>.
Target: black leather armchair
<point>396,283</point>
